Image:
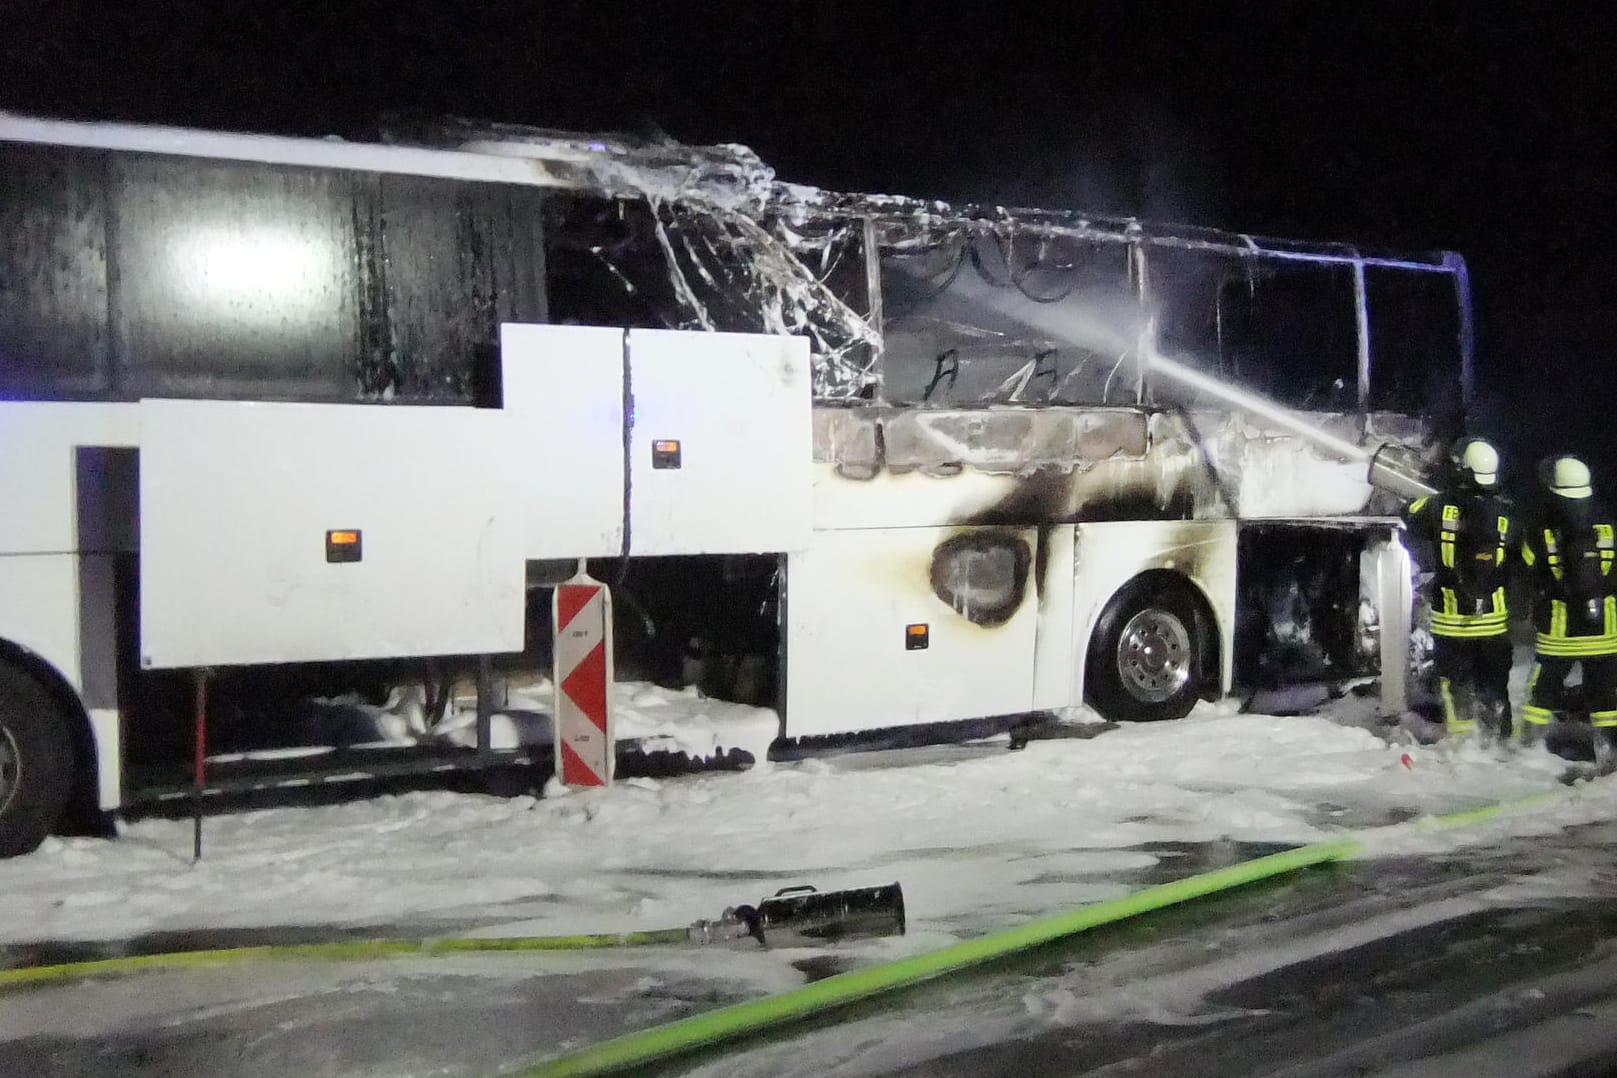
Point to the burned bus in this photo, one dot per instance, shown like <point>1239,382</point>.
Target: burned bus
<point>328,421</point>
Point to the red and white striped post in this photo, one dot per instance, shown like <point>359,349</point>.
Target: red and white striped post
<point>582,616</point>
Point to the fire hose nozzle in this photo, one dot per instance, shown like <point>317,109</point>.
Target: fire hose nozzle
<point>1396,469</point>
<point>804,916</point>
<point>728,927</point>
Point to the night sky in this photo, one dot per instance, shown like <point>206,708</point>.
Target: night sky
<point>1484,128</point>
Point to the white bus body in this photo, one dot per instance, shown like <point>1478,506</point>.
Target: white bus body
<point>929,563</point>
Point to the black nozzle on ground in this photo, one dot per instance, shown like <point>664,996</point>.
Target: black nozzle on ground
<point>804,917</point>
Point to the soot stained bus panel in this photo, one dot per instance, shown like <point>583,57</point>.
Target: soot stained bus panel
<point>53,273</point>
<point>126,275</point>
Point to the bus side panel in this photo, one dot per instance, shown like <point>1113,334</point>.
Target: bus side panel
<point>39,443</point>
<point>39,608</point>
<point>721,443</point>
<point>282,533</point>
<point>564,386</point>
<point>858,602</point>
<point>69,511</point>
<point>1058,675</point>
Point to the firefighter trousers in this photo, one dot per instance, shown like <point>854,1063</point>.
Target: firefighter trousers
<point>1547,692</point>
<point>1473,677</point>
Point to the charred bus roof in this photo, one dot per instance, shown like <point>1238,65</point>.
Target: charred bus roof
<point>904,300</point>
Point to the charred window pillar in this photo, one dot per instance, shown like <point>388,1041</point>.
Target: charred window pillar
<point>1142,295</point>
<point>1361,308</point>
<point>878,350</point>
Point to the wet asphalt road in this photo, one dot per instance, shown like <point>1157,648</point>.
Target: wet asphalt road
<point>1498,962</point>
<point>1489,962</point>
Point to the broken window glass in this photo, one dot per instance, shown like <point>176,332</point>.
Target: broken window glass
<point>993,313</point>
<point>1290,332</point>
<point>662,264</point>
<point>1414,340</point>
<point>454,260</point>
<point>1189,319</point>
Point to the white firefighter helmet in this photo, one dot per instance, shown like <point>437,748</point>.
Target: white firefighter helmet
<point>1567,477</point>
<point>1477,459</point>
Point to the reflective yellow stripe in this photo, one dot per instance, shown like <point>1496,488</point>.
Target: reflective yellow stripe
<point>1610,627</point>
<point>1451,718</point>
<point>1575,646</point>
<point>1565,649</point>
<point>1531,712</point>
<point>1418,504</point>
<point>1557,619</point>
<point>1607,542</point>
<point>1499,618</point>
<point>1550,555</point>
<point>1603,718</point>
<point>1446,619</point>
<point>1471,625</point>
<point>1528,557</point>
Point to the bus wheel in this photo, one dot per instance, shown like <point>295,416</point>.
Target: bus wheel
<point>1145,655</point>
<point>36,763</point>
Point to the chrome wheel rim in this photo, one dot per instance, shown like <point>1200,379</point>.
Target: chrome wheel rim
<point>10,769</point>
<point>1153,656</point>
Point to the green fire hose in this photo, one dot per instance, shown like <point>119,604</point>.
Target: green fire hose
<point>344,950</point>
<point>732,1022</point>
<point>713,1027</point>
<point>743,1019</point>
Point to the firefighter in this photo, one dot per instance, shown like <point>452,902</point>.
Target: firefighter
<point>1474,530</point>
<point>1570,551</point>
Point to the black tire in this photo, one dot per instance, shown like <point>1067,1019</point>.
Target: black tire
<point>36,763</point>
<point>1147,653</point>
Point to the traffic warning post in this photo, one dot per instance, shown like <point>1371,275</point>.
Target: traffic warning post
<point>583,678</point>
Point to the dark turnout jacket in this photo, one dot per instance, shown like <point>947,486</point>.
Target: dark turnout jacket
<point>1475,532</point>
<point>1569,548</point>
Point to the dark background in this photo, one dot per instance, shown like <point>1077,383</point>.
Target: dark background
<point>1488,129</point>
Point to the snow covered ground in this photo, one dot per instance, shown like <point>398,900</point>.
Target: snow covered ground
<point>660,720</point>
<point>980,837</point>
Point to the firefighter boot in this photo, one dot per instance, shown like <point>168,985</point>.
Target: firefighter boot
<point>1459,709</point>
<point>1477,728</point>
<point>1495,723</point>
<point>1605,756</point>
